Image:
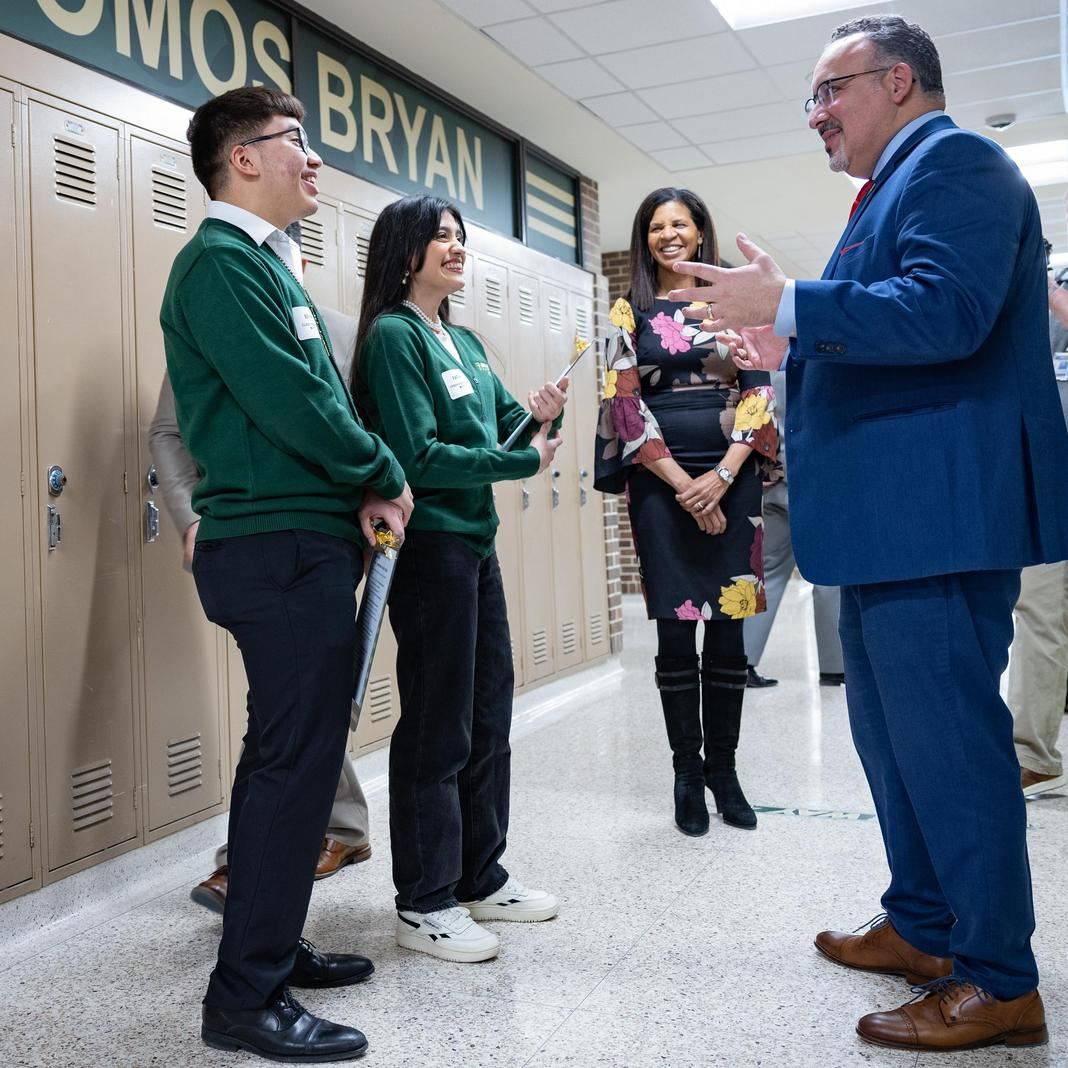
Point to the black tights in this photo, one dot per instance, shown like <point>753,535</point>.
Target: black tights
<point>678,637</point>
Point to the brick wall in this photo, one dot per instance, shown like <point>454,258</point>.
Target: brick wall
<point>616,267</point>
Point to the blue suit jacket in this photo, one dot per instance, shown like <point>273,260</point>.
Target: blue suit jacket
<point>924,430</point>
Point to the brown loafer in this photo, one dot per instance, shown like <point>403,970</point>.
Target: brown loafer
<point>211,893</point>
<point>881,949</point>
<point>955,1015</point>
<point>335,855</point>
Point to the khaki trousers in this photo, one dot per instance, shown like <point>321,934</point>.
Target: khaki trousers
<point>1038,671</point>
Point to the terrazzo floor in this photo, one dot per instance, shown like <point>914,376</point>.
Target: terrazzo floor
<point>668,950</point>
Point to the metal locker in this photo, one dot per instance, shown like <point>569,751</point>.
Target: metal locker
<point>356,226</point>
<point>16,859</point>
<point>528,364</point>
<point>583,412</point>
<point>381,706</point>
<point>489,285</point>
<point>87,652</point>
<point>184,709</point>
<point>319,246</point>
<point>559,329</point>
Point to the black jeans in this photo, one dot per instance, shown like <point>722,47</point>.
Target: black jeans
<point>449,759</point>
<point>288,598</point>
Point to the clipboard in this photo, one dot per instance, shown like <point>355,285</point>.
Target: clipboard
<point>581,345</point>
<point>372,613</point>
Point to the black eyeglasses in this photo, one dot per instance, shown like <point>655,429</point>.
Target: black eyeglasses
<point>302,138</point>
<point>826,90</point>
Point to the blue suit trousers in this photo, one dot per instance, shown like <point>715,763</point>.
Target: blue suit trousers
<point>923,661</point>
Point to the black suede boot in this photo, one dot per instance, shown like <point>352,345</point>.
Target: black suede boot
<point>723,681</point>
<point>678,682</point>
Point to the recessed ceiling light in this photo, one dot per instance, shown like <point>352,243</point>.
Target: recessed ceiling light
<point>741,14</point>
<point>1044,163</point>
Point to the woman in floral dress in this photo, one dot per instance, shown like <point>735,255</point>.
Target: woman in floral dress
<point>675,407</point>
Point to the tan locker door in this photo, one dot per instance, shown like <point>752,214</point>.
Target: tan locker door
<point>526,312</point>
<point>356,227</point>
<point>319,246</point>
<point>567,554</point>
<point>78,336</point>
<point>15,856</point>
<point>582,412</point>
<point>381,705</point>
<point>183,705</point>
<point>489,288</point>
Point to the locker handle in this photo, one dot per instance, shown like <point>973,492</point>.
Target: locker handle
<point>556,497</point>
<point>151,522</point>
<point>526,498</point>
<point>583,497</point>
<point>55,527</point>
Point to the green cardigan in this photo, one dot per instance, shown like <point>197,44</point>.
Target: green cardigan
<point>263,411</point>
<point>447,444</point>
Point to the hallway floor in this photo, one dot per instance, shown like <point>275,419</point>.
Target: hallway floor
<point>668,950</point>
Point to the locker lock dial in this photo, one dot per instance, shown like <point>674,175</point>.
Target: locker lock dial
<point>56,480</point>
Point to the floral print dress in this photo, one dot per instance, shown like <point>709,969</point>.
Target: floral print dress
<point>670,390</point>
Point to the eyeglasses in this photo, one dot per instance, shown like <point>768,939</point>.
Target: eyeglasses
<point>302,138</point>
<point>826,90</point>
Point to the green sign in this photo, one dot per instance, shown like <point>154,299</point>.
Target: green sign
<point>365,120</point>
<point>363,117</point>
<point>552,210</point>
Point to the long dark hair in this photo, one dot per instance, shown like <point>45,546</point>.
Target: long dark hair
<point>397,250</point>
<point>643,269</point>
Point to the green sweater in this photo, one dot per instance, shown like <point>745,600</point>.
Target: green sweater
<point>443,423</point>
<point>263,410</point>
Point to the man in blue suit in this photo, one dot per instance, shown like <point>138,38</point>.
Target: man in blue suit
<point>927,458</point>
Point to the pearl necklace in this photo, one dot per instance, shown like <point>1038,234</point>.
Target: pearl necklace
<point>435,326</point>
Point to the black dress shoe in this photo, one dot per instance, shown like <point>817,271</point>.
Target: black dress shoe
<point>315,969</point>
<point>832,678</point>
<point>758,682</point>
<point>283,1031</point>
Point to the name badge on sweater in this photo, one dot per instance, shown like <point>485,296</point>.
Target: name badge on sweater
<point>1060,366</point>
<point>304,323</point>
<point>457,383</point>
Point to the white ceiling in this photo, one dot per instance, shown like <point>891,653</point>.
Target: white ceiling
<point>642,93</point>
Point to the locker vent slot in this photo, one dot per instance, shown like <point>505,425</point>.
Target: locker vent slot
<point>363,243</point>
<point>556,315</point>
<point>313,242</point>
<point>540,646</point>
<point>582,322</point>
<point>458,300</point>
<point>75,164</point>
<point>92,791</point>
<point>380,698</point>
<point>596,629</point>
<point>568,637</point>
<point>494,296</point>
<point>185,764</point>
<point>526,305</point>
<point>169,200</point>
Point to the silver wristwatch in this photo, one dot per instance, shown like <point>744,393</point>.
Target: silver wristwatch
<point>725,474</point>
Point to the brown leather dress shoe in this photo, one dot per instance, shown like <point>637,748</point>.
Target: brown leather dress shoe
<point>881,949</point>
<point>211,893</point>
<point>955,1015</point>
<point>335,855</point>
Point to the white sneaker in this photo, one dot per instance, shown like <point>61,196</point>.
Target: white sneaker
<point>450,934</point>
<point>514,902</point>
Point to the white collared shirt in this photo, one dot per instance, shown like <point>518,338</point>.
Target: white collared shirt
<point>261,231</point>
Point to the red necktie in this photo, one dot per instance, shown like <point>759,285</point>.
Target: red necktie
<point>860,196</point>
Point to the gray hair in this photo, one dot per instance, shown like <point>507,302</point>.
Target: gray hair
<point>898,41</point>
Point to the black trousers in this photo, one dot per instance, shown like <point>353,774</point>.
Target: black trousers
<point>288,598</point>
<point>449,758</point>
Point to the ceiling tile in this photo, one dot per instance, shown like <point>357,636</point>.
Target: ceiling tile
<point>579,77</point>
<point>534,41</point>
<point>549,6</point>
<point>620,24</point>
<point>618,109</point>
<point>484,12</point>
<point>650,136</point>
<point>942,18</point>
<point>681,159</point>
<point>998,45</point>
<point>1025,108</point>
<point>752,148</point>
<point>640,68</point>
<point>745,122</point>
<point>800,40</point>
<point>794,80</point>
<point>1002,83</point>
<point>752,87</point>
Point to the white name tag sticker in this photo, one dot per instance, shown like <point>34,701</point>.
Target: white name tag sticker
<point>1060,366</point>
<point>457,383</point>
<point>304,323</point>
